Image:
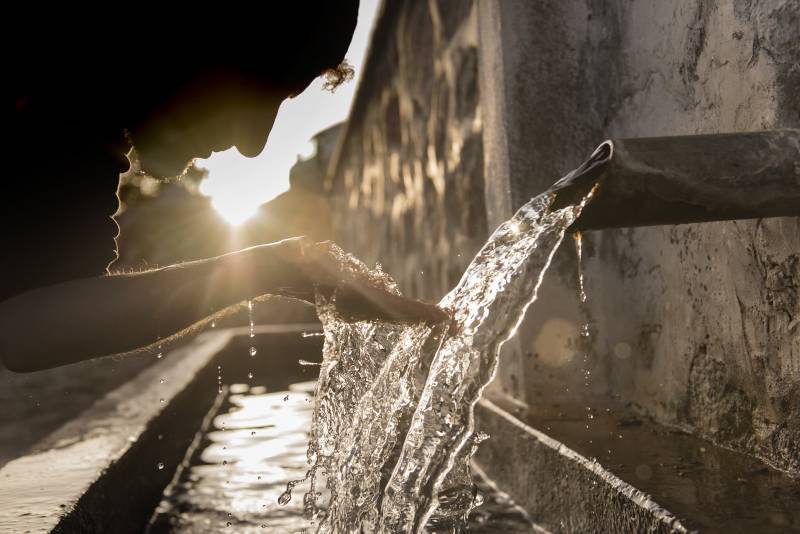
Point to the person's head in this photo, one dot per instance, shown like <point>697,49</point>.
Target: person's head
<point>222,85</point>
<point>182,82</point>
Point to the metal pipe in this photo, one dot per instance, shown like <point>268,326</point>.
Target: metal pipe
<point>687,179</point>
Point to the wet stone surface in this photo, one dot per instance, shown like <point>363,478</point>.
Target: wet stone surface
<point>255,445</point>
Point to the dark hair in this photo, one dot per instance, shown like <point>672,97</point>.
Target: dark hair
<point>344,72</point>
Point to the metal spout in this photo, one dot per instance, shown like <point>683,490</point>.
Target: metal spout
<point>687,179</point>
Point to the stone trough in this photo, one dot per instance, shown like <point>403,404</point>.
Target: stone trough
<point>105,471</point>
<point>102,471</point>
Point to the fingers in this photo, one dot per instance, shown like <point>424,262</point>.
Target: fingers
<point>324,266</point>
<point>360,297</point>
<point>365,302</point>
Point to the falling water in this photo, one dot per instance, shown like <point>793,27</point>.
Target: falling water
<point>250,317</point>
<point>252,350</point>
<point>579,252</point>
<point>585,343</point>
<point>393,427</point>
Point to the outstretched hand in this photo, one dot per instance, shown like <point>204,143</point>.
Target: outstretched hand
<point>300,266</point>
<point>103,315</point>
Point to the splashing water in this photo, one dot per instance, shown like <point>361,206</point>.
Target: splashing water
<point>393,426</point>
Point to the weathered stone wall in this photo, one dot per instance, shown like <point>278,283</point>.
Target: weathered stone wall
<point>697,326</point>
<point>408,180</point>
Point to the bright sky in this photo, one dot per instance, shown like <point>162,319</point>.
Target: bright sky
<point>238,185</point>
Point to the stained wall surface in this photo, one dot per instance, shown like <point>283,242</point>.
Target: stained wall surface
<point>467,109</point>
<point>408,180</point>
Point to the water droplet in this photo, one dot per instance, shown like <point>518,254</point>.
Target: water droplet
<point>285,497</point>
<point>312,334</point>
<point>224,462</point>
<point>253,351</point>
<point>253,433</point>
<point>250,315</point>
<point>579,250</point>
<point>250,375</point>
<point>213,324</point>
<point>160,466</point>
<point>162,380</point>
<point>286,398</point>
<point>306,362</point>
<point>159,355</point>
<point>161,401</point>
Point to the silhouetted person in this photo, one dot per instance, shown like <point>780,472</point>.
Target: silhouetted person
<point>88,84</point>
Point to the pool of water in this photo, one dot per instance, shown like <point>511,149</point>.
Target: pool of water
<point>247,453</point>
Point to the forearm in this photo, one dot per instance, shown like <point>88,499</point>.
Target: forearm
<point>93,317</point>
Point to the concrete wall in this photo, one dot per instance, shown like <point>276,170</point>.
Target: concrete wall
<point>696,326</point>
<point>408,180</point>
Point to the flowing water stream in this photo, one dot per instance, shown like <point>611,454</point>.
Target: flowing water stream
<point>393,425</point>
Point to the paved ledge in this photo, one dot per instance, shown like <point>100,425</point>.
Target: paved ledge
<point>80,480</point>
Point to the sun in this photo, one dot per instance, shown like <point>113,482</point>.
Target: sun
<point>233,208</point>
<point>237,185</point>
